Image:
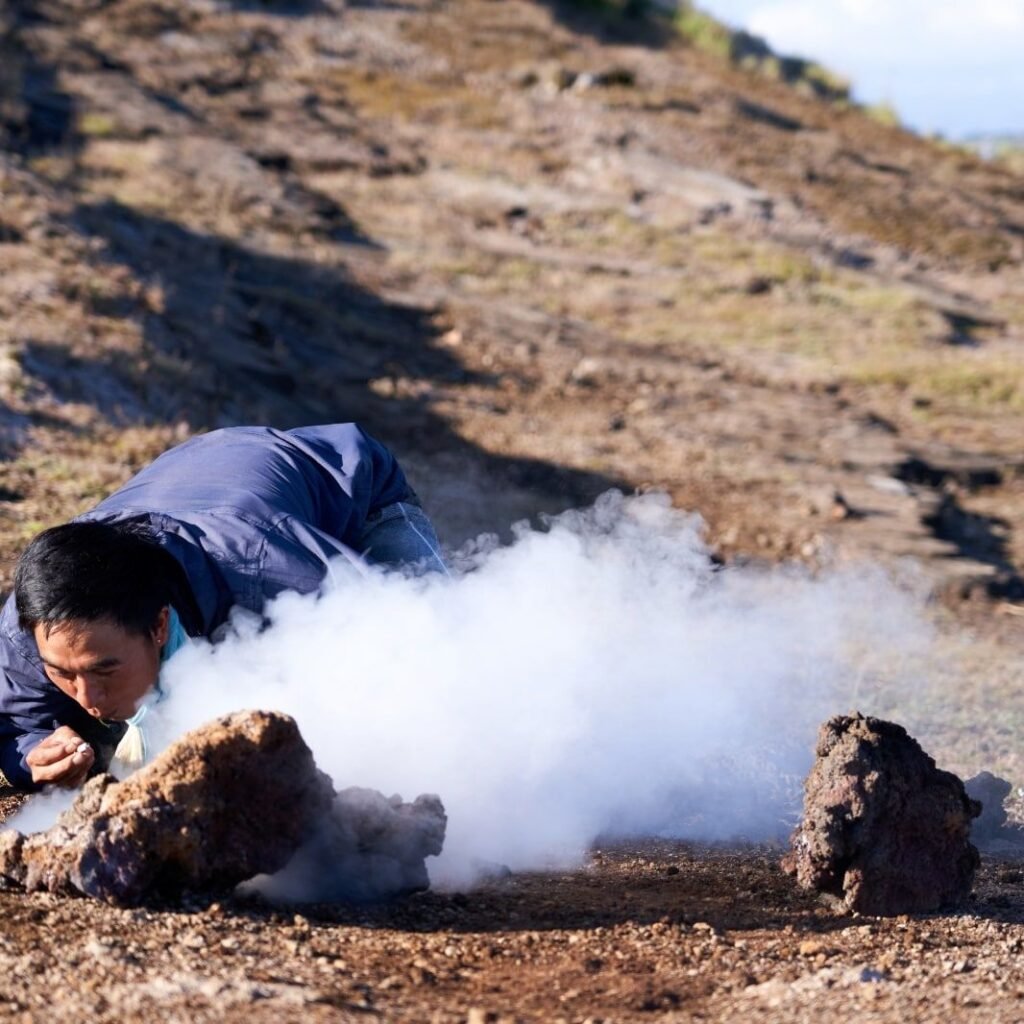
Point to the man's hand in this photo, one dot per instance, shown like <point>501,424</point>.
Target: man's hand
<point>62,759</point>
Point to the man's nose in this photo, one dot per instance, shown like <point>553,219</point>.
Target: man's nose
<point>87,694</point>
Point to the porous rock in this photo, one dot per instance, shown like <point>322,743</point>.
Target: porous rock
<point>991,792</point>
<point>883,830</point>
<point>229,800</point>
<point>370,847</point>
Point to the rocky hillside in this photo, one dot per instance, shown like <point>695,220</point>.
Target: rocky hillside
<point>544,248</point>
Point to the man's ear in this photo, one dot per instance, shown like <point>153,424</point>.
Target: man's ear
<point>162,627</point>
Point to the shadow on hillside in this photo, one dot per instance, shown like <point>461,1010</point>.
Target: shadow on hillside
<point>978,538</point>
<point>233,335</point>
<point>284,8</point>
<point>36,115</point>
<point>232,332</point>
<point>641,23</point>
<point>626,22</point>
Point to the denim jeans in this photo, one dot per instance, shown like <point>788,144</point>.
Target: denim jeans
<point>401,536</point>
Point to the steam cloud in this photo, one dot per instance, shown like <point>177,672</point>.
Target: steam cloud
<point>597,676</point>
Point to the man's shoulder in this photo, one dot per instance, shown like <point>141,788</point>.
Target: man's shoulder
<point>20,666</point>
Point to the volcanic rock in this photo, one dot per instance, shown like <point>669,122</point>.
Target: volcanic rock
<point>225,802</point>
<point>883,830</point>
<point>370,847</point>
<point>230,800</point>
<point>990,791</point>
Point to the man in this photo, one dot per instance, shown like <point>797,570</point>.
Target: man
<point>231,518</point>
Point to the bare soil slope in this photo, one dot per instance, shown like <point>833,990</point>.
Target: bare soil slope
<point>543,251</point>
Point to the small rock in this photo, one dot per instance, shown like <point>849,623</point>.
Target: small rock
<point>526,78</point>
<point>758,285</point>
<point>616,76</point>
<point>841,508</point>
<point>368,847</point>
<point>553,78</point>
<point>870,975</point>
<point>620,77</point>
<point>889,485</point>
<point>990,791</point>
<point>423,976</point>
<point>587,372</point>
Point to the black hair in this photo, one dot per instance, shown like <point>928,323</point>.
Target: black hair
<point>86,571</point>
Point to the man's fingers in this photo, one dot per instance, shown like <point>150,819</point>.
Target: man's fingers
<point>62,758</point>
<point>64,734</point>
<point>48,752</point>
<point>68,771</point>
<point>54,747</point>
<point>52,772</point>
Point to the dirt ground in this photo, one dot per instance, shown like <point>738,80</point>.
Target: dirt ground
<point>656,931</point>
<point>543,250</point>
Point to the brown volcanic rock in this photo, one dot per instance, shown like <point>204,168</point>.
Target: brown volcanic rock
<point>883,828</point>
<point>229,800</point>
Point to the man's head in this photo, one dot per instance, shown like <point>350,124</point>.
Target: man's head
<point>96,597</point>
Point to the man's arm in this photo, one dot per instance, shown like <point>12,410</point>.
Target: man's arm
<point>13,770</point>
<point>38,723</point>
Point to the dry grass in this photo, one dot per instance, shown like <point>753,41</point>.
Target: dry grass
<point>951,383</point>
<point>425,100</point>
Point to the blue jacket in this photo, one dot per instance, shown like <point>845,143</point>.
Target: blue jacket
<point>247,512</point>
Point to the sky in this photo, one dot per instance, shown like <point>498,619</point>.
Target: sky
<point>946,66</point>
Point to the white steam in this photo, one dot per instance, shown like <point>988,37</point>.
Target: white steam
<point>598,676</point>
<point>42,810</point>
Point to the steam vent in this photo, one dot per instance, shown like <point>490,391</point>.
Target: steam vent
<point>883,829</point>
<point>235,798</point>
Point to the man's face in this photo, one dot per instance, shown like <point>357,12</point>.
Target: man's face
<point>100,665</point>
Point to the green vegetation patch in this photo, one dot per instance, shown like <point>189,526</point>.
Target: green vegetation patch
<point>884,114</point>
<point>952,382</point>
<point>743,49</point>
<point>96,124</point>
<point>751,52</point>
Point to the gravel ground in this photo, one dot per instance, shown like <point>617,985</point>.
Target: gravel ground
<point>648,931</point>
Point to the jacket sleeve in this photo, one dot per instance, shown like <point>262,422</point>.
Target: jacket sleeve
<point>31,707</point>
